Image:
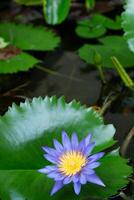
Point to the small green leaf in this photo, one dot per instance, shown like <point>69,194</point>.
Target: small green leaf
<point>111,46</point>
<point>28,127</point>
<point>113,25</point>
<point>56,11</point>
<point>29,2</point>
<point>20,62</point>
<point>128,23</point>
<point>28,37</point>
<point>97,26</point>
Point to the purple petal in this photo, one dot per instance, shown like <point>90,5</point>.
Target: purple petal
<point>47,149</point>
<point>66,141</point>
<point>58,185</point>
<point>75,141</point>
<point>88,138</point>
<point>50,158</point>
<point>47,169</point>
<point>83,179</point>
<point>85,142</point>
<point>55,175</point>
<point>67,180</point>
<point>95,179</point>
<point>51,167</point>
<point>81,146</point>
<point>87,170</point>
<point>96,156</point>
<point>58,146</point>
<point>51,151</point>
<point>76,178</point>
<point>77,187</point>
<point>93,165</point>
<point>89,148</point>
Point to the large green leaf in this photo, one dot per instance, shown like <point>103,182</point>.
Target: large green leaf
<point>96,26</point>
<point>20,62</point>
<point>22,184</point>
<point>28,37</point>
<point>56,11</point>
<point>26,128</point>
<point>29,2</point>
<point>111,46</point>
<point>128,23</point>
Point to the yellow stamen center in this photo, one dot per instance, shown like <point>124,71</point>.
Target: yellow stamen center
<point>71,163</point>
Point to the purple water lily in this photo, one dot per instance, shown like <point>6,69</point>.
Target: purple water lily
<point>73,162</point>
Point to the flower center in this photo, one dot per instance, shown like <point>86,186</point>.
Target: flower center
<point>71,163</point>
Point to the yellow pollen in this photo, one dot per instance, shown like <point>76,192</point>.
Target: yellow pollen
<point>71,163</point>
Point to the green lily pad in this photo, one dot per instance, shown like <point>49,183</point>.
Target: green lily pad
<point>96,26</point>
<point>110,46</point>
<point>28,127</point>
<point>128,23</point>
<point>28,37</point>
<point>20,62</point>
<point>25,37</point>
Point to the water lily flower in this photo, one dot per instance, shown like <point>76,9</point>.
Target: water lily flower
<point>73,162</point>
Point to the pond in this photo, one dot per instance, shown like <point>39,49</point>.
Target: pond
<point>64,71</point>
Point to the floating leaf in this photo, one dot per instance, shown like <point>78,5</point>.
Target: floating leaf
<point>96,26</point>
<point>25,37</point>
<point>113,25</point>
<point>56,11</point>
<point>26,128</point>
<point>28,37</point>
<point>20,62</point>
<point>128,23</point>
<point>111,46</point>
<point>29,2</point>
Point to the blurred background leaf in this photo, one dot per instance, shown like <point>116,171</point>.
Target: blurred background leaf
<point>28,37</point>
<point>20,62</point>
<point>24,37</point>
<point>128,23</point>
<point>90,4</point>
<point>56,11</point>
<point>96,26</point>
<point>110,46</point>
